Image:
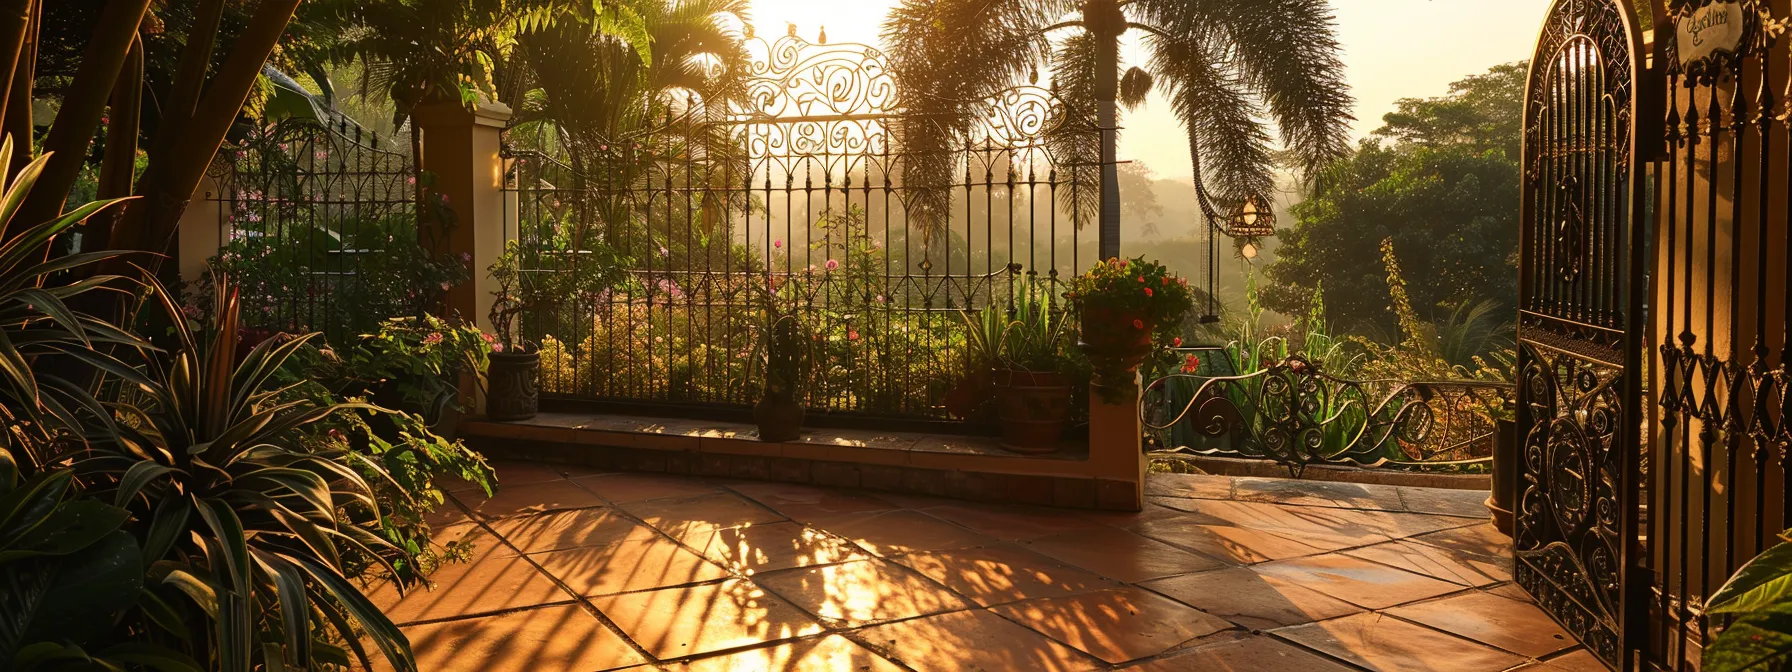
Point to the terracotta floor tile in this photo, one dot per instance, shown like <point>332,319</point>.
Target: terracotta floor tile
<point>1387,644</point>
<point>491,581</point>
<point>808,503</point>
<point>561,638</point>
<point>693,620</point>
<point>1116,625</point>
<point>447,513</point>
<point>1440,563</point>
<point>1463,503</point>
<point>573,528</point>
<point>896,532</point>
<point>861,592</point>
<point>826,654</point>
<point>1122,555</point>
<point>630,565</point>
<point>756,549</point>
<point>1326,527</point>
<point>1193,486</point>
<point>1013,523</point>
<point>529,498</point>
<point>1515,626</point>
<point>1258,653</point>
<point>1360,582</point>
<point>973,640</point>
<point>619,488</point>
<point>513,473</point>
<point>1002,573</point>
<point>1579,660</point>
<point>1318,493</point>
<point>1511,591</point>
<point>1483,540</point>
<point>1250,599</point>
<point>1235,545</point>
<point>678,517</point>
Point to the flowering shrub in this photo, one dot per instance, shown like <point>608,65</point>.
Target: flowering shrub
<point>420,359</point>
<point>1146,290</point>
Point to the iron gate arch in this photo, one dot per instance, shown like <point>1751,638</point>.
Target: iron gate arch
<point>1582,288</point>
<point>805,183</point>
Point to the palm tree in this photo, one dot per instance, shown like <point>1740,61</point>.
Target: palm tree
<point>1231,70</point>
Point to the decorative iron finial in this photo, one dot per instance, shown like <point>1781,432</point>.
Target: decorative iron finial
<point>823,38</point>
<point>748,33</point>
<point>790,29</point>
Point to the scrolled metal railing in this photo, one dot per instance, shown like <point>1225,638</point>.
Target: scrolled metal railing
<point>1296,414</point>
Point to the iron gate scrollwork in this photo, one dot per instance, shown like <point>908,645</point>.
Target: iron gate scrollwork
<point>1581,288</point>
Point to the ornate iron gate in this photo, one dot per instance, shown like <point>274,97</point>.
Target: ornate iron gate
<point>1581,324</point>
<point>804,190</point>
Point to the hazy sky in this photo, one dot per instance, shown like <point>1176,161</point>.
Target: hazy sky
<point>1393,49</point>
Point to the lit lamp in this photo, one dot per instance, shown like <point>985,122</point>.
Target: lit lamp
<point>1252,220</point>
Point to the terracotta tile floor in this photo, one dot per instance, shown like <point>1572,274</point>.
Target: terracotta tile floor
<point>583,571</point>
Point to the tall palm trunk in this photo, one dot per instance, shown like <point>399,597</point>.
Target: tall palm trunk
<point>15,30</point>
<point>1105,22</point>
<point>81,109</point>
<point>17,120</point>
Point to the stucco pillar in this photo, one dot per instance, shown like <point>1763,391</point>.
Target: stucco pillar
<point>461,149</point>
<point>1116,450</point>
<point>201,232</point>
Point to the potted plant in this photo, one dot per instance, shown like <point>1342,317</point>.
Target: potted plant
<point>783,356</point>
<point>534,286</point>
<point>1032,390</point>
<point>417,365</point>
<point>1126,306</point>
<point>970,397</point>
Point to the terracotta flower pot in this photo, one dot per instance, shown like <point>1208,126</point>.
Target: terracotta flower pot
<point>1033,408</point>
<point>1123,335</point>
<point>970,398</point>
<point>780,418</point>
<point>514,384</point>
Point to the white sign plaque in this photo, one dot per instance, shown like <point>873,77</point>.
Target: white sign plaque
<point>1714,28</point>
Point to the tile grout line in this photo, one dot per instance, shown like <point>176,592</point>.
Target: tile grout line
<point>583,603</point>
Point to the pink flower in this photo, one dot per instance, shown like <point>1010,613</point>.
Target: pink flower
<point>779,243</point>
<point>852,334</point>
<point>1138,324</point>
<point>493,339</point>
<point>833,264</point>
<point>447,286</point>
<point>497,347</point>
<point>1147,291</point>
<point>466,257</point>
<point>433,338</point>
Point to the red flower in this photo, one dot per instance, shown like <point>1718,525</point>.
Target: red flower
<point>1166,280</point>
<point>1138,324</point>
<point>1147,291</point>
<point>1192,364</point>
<point>1176,343</point>
<point>1141,279</point>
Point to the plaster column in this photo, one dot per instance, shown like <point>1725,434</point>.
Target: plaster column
<point>201,230</point>
<point>1117,450</point>
<point>461,149</point>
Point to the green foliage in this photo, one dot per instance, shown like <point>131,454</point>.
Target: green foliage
<point>1759,597</point>
<point>67,572</point>
<point>536,282</point>
<point>1035,338</point>
<point>1482,113</point>
<point>421,359</point>
<point>344,275</point>
<point>1445,188</point>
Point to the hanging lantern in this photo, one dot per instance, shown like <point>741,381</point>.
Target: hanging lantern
<point>1253,219</point>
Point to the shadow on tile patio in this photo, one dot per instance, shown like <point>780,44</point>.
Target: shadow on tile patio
<point>597,571</point>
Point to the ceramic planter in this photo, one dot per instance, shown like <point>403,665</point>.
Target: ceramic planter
<point>1033,407</point>
<point>513,386</point>
<point>780,418</point>
<point>1505,475</point>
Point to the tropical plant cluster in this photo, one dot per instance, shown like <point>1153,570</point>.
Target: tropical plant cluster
<point>198,503</point>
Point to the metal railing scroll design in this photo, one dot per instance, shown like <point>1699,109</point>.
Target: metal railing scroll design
<point>1297,415</point>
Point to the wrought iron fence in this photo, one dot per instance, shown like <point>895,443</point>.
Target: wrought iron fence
<point>319,229</point>
<point>1297,415</point>
<point>802,196</point>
